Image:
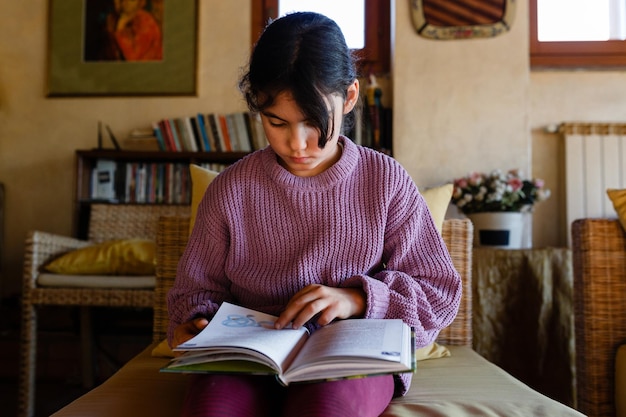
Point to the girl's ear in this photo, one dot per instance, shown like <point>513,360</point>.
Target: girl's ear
<point>352,97</point>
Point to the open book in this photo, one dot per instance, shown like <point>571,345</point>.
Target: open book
<point>241,340</point>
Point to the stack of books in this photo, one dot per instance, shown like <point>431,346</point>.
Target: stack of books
<point>213,132</point>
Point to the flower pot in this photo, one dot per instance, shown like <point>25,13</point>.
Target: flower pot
<point>498,229</point>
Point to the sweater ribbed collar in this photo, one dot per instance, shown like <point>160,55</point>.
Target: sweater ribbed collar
<point>329,178</point>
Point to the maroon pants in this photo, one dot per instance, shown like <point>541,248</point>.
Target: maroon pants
<point>258,396</point>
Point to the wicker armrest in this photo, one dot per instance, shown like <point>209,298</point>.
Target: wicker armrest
<point>42,246</point>
<point>599,261</point>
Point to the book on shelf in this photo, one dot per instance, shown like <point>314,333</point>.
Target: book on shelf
<point>241,340</point>
<point>103,180</point>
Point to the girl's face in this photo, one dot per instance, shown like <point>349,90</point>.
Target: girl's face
<point>294,138</point>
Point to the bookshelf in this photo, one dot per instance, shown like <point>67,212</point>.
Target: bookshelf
<point>113,171</point>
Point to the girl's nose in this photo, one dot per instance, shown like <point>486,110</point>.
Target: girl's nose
<point>298,138</point>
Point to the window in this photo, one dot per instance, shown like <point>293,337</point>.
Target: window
<point>577,33</point>
<point>370,36</point>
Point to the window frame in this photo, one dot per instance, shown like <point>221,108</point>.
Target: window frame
<point>578,54</point>
<point>374,57</point>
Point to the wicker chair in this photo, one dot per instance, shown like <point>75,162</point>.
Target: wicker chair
<point>457,234</point>
<point>599,261</point>
<point>107,222</point>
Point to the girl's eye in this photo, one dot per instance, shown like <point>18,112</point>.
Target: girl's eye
<point>276,123</point>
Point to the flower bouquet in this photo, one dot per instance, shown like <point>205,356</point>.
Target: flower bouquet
<point>497,192</point>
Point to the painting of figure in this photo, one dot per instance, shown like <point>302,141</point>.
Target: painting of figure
<point>123,30</point>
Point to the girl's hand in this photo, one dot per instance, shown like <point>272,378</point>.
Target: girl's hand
<point>186,331</point>
<point>328,303</point>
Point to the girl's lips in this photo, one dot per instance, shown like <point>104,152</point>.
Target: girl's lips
<point>299,159</point>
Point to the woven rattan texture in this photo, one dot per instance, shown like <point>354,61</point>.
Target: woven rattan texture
<point>172,237</point>
<point>139,220</point>
<point>107,222</point>
<point>599,261</point>
<point>171,240</point>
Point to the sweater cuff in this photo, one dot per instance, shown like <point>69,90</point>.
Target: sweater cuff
<point>377,293</point>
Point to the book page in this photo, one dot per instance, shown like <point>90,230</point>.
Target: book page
<point>357,343</point>
<point>234,329</point>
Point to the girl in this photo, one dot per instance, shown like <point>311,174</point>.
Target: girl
<point>312,229</point>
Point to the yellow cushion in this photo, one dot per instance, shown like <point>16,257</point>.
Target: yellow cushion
<point>115,257</point>
<point>437,200</point>
<point>618,198</point>
<point>200,180</point>
<point>162,350</point>
<point>620,382</point>
<point>432,351</point>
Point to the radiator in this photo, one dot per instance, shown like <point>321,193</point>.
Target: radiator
<point>595,159</point>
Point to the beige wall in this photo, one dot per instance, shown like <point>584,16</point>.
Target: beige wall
<point>458,106</point>
<point>38,135</point>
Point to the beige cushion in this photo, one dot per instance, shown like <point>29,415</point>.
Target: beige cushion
<point>115,257</point>
<point>438,200</point>
<point>200,180</point>
<point>462,385</point>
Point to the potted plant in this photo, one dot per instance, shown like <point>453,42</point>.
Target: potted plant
<point>495,202</point>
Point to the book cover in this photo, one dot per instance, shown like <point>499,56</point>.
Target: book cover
<point>241,340</point>
<point>103,180</point>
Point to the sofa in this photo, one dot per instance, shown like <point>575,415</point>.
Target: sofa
<point>461,383</point>
<point>599,264</point>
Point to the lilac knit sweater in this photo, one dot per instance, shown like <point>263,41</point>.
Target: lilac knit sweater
<point>261,234</point>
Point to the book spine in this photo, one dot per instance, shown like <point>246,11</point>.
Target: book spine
<point>174,132</point>
<point>158,133</point>
<point>206,145</point>
<point>228,146</point>
<point>194,141</point>
<point>242,132</point>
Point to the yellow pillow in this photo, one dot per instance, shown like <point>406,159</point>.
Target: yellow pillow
<point>115,257</point>
<point>618,198</point>
<point>200,180</point>
<point>437,200</point>
<point>432,351</point>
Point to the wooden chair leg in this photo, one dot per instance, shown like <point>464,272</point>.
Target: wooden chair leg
<point>28,361</point>
<point>87,345</point>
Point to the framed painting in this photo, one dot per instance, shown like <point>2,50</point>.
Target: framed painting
<point>462,19</point>
<point>122,47</point>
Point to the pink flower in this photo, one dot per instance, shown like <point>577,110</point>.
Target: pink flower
<point>475,178</point>
<point>515,184</point>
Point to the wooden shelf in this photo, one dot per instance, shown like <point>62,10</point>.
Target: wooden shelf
<point>86,161</point>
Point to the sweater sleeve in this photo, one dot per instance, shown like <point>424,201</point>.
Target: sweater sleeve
<point>201,284</point>
<point>418,282</point>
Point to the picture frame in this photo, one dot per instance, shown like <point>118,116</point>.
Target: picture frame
<point>89,55</point>
<point>466,19</point>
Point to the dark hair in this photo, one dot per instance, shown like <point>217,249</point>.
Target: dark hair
<point>306,54</point>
